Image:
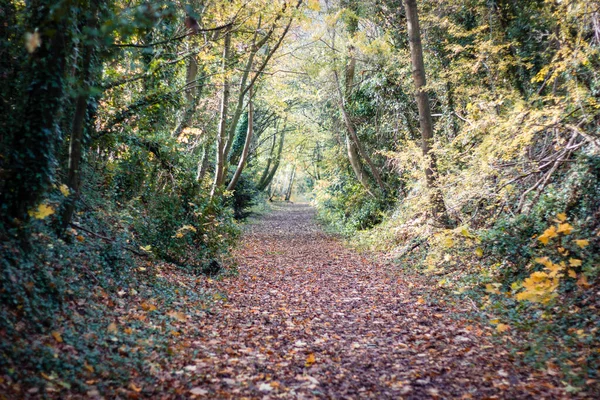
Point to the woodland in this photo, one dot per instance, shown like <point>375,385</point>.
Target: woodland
<point>299,199</point>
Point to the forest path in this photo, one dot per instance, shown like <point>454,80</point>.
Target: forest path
<point>310,318</point>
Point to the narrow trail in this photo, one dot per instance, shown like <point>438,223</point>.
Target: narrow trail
<point>309,318</point>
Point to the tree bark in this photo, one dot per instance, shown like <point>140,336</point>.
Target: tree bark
<point>288,192</point>
<point>35,136</point>
<point>222,134</point>
<point>192,95</point>
<point>244,156</point>
<point>271,174</point>
<point>265,172</point>
<point>418,71</point>
<point>353,144</point>
<point>75,145</point>
<point>204,163</point>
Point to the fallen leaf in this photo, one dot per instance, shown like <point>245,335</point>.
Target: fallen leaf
<point>64,189</point>
<point>148,307</point>
<point>198,391</point>
<point>265,387</point>
<point>56,335</point>
<point>574,262</point>
<point>42,211</point>
<point>135,388</point>
<point>310,360</point>
<point>112,328</point>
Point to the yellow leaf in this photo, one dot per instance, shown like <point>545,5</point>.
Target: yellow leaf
<point>64,189</point>
<point>582,243</point>
<point>177,315</point>
<point>574,262</point>
<point>540,287</point>
<point>88,367</point>
<point>545,261</point>
<point>565,228</point>
<point>56,335</point>
<point>562,217</point>
<point>547,235</point>
<point>42,211</point>
<point>183,230</point>
<point>495,321</point>
<point>420,300</point>
<point>572,273</point>
<point>583,282</point>
<point>479,252</point>
<point>48,377</point>
<point>135,388</point>
<point>79,238</point>
<point>310,360</point>
<point>554,269</point>
<point>314,5</point>
<point>148,307</point>
<point>112,328</point>
<point>492,288</point>
<point>502,327</point>
<point>448,242</point>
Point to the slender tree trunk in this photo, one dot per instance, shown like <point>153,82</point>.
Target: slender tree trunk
<point>288,192</point>
<point>222,134</point>
<point>425,121</point>
<point>77,130</point>
<point>75,145</point>
<point>244,156</point>
<point>353,144</point>
<point>203,164</point>
<point>265,172</point>
<point>192,95</point>
<point>269,178</point>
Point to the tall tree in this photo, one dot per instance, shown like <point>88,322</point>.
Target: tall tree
<point>35,131</point>
<point>425,121</point>
<point>355,148</point>
<point>246,149</point>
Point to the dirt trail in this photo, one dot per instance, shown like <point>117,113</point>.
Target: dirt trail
<point>309,318</point>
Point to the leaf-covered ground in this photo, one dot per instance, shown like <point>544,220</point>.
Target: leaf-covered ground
<point>309,318</point>
<point>305,317</point>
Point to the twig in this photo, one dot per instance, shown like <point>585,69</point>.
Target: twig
<point>107,239</point>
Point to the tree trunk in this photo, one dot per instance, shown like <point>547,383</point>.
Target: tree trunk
<point>203,164</point>
<point>222,134</point>
<point>269,178</point>
<point>265,172</point>
<point>77,130</point>
<point>244,156</point>
<point>288,192</point>
<point>35,138</point>
<point>418,70</point>
<point>353,144</point>
<point>192,95</point>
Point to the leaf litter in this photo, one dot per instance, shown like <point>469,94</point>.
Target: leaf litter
<point>305,317</point>
<point>309,318</point>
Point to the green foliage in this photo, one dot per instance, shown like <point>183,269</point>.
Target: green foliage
<point>244,197</point>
